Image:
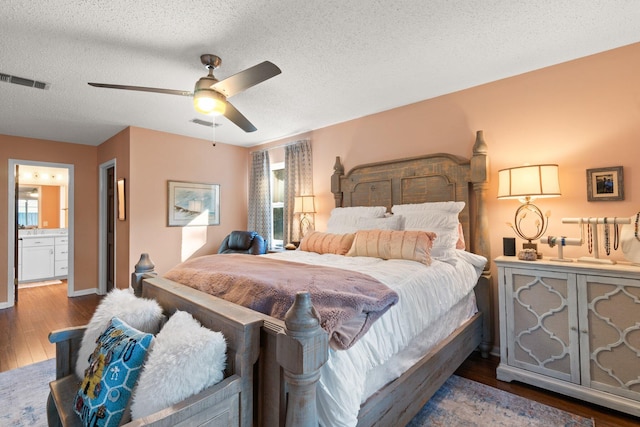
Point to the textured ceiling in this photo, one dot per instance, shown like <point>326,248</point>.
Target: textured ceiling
<point>340,59</point>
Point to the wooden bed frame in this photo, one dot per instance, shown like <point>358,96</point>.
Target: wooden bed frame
<point>281,389</point>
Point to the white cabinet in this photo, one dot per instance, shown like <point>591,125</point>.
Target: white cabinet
<point>37,258</point>
<point>573,328</point>
<point>42,257</point>
<point>61,256</point>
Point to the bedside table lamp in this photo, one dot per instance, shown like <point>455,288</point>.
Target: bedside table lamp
<point>526,183</point>
<point>304,205</point>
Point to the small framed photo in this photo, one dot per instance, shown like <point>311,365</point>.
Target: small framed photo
<point>191,204</point>
<point>605,184</point>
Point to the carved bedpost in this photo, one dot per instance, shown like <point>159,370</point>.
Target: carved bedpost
<point>143,268</point>
<point>338,172</point>
<point>481,243</point>
<point>301,351</point>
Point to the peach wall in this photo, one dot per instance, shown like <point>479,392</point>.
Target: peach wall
<point>117,147</point>
<point>83,157</point>
<point>157,157</point>
<point>49,206</point>
<point>581,114</point>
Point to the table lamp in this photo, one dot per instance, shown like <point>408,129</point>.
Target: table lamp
<point>526,183</point>
<point>304,205</point>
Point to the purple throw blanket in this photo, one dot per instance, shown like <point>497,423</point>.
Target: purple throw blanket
<point>348,302</point>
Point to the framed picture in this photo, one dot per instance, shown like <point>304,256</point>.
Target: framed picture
<point>121,200</point>
<point>191,203</point>
<point>605,184</point>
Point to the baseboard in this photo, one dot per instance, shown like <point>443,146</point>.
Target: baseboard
<point>84,292</point>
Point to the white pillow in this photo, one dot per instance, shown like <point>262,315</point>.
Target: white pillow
<point>438,217</point>
<point>344,220</point>
<point>185,359</point>
<point>142,314</point>
<point>386,223</point>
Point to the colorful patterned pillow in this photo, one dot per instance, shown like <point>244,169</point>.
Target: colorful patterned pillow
<point>113,371</point>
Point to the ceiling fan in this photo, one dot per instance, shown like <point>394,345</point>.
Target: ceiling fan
<point>210,95</point>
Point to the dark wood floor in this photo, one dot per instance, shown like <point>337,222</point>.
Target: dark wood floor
<point>24,330</point>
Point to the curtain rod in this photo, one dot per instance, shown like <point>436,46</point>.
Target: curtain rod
<point>280,145</point>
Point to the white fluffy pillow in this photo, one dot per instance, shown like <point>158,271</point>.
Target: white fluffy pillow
<point>142,314</point>
<point>387,223</point>
<point>438,217</point>
<point>344,220</point>
<point>185,359</point>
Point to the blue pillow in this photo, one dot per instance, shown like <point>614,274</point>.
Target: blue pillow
<point>113,370</point>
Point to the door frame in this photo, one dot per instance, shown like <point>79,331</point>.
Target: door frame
<point>12,225</point>
<point>102,226</point>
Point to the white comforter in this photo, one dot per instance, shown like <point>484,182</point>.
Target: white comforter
<point>426,293</point>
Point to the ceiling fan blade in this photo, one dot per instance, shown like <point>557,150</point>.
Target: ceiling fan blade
<point>238,119</point>
<point>247,78</point>
<point>144,89</point>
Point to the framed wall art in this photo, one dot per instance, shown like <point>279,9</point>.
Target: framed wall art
<point>191,203</point>
<point>121,200</point>
<point>605,184</point>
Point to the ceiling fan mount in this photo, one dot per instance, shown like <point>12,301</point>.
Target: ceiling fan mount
<point>210,95</point>
<point>210,62</point>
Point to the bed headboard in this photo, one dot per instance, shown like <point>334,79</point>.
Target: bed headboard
<point>429,178</point>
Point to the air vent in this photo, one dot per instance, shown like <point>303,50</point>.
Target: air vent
<point>23,82</point>
<point>204,123</point>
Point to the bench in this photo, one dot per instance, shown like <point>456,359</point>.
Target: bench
<point>228,403</point>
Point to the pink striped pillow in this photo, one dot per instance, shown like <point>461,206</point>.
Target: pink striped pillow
<point>389,244</point>
<point>327,243</point>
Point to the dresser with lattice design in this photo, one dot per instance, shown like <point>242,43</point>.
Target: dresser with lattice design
<point>573,328</point>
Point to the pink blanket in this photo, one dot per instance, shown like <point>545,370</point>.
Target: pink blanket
<point>348,302</point>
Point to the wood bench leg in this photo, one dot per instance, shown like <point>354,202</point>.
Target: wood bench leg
<point>52,413</point>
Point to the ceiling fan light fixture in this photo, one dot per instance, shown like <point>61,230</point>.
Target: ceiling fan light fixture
<point>210,102</point>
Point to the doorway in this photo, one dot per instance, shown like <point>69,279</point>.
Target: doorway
<point>107,226</point>
<point>28,179</point>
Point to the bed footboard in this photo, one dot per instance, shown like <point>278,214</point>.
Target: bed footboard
<point>240,326</point>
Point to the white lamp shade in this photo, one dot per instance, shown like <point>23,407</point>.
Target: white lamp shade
<point>528,181</point>
<point>304,204</point>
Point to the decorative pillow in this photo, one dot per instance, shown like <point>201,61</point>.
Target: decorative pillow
<point>112,373</point>
<point>186,358</point>
<point>386,223</point>
<point>344,220</point>
<point>389,244</point>
<point>140,313</point>
<point>327,243</point>
<point>439,217</point>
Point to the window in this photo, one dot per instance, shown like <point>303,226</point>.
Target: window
<point>28,207</point>
<point>277,204</point>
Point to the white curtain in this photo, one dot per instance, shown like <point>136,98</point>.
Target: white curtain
<point>260,219</point>
<point>298,165</point>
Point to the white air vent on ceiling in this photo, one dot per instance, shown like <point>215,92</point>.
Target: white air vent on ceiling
<point>23,82</point>
<point>204,123</point>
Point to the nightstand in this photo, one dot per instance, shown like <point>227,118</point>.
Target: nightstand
<point>573,328</point>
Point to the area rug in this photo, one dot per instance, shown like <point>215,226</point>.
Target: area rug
<point>459,402</point>
<point>23,394</point>
<point>462,402</point>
